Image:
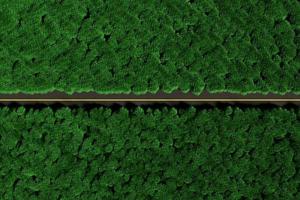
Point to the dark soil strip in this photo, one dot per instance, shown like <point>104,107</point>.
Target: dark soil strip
<point>149,99</point>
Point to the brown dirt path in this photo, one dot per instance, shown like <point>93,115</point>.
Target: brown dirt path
<point>174,98</point>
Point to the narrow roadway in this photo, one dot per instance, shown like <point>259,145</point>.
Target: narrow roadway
<point>174,98</point>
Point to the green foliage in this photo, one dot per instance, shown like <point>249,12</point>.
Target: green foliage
<point>144,46</point>
<point>149,154</point>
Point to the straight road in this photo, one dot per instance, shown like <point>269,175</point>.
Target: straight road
<point>176,97</point>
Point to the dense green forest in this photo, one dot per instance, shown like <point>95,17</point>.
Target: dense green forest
<point>125,46</point>
<point>140,153</point>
